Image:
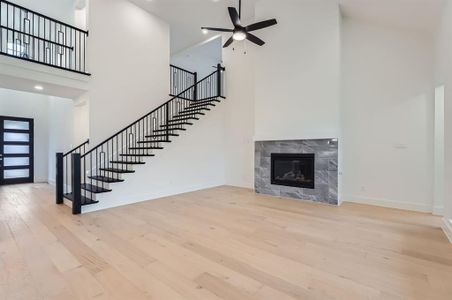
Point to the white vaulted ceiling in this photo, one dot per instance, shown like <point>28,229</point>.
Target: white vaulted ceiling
<point>187,16</point>
<point>419,15</point>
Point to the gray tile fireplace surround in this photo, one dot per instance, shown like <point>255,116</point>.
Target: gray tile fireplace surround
<point>326,171</point>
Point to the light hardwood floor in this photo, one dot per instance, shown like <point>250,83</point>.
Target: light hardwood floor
<point>222,243</point>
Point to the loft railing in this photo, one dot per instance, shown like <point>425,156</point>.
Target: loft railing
<point>181,79</point>
<point>137,140</point>
<point>64,171</point>
<point>31,36</point>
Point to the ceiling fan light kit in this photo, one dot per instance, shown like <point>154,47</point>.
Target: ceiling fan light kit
<point>240,33</point>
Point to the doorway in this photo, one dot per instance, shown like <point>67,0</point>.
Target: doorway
<point>16,150</point>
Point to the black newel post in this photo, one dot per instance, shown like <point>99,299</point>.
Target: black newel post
<point>219,69</point>
<point>195,88</point>
<point>59,180</point>
<point>76,184</point>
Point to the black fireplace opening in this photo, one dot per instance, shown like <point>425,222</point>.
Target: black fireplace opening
<point>293,170</point>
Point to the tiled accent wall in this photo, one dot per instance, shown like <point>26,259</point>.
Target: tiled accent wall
<point>326,169</point>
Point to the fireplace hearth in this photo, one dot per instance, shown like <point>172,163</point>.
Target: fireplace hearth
<point>295,170</point>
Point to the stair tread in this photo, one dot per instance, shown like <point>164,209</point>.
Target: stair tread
<point>175,119</point>
<point>159,135</point>
<point>195,109</point>
<point>201,105</point>
<point>169,129</point>
<point>176,124</point>
<point>125,162</point>
<point>205,101</point>
<point>149,142</point>
<point>144,148</point>
<point>85,200</point>
<point>138,155</point>
<point>154,141</point>
<point>190,114</point>
<point>94,188</point>
<point>114,170</point>
<point>105,179</point>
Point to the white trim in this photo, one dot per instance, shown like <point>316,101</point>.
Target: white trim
<point>447,228</point>
<point>111,200</point>
<point>388,203</point>
<point>438,210</point>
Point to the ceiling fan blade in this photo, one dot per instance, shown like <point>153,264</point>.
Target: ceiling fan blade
<point>228,42</point>
<point>234,16</point>
<point>261,25</point>
<point>255,39</point>
<point>218,29</point>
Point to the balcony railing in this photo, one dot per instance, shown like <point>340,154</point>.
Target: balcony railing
<point>181,80</point>
<point>32,36</point>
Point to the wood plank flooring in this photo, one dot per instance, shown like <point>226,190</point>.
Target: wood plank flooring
<point>221,243</point>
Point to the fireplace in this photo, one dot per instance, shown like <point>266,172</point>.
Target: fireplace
<point>295,170</point>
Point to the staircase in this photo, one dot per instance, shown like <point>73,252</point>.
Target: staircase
<point>82,174</point>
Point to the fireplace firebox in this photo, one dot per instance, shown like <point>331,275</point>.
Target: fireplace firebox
<point>296,170</point>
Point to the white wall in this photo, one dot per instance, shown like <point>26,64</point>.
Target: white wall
<point>201,58</point>
<point>62,10</point>
<point>129,59</point>
<point>438,205</point>
<point>52,126</point>
<point>81,120</point>
<point>239,117</point>
<point>388,115</point>
<point>443,76</point>
<point>297,71</point>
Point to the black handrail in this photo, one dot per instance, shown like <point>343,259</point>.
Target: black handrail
<point>79,149</point>
<point>181,69</point>
<point>32,36</point>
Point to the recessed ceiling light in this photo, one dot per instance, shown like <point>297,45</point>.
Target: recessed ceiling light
<point>39,87</point>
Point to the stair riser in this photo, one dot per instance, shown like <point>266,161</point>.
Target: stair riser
<point>101,184</point>
<point>88,195</point>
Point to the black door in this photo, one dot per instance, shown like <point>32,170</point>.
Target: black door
<point>16,150</point>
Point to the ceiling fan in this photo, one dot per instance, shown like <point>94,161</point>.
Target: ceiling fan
<point>240,32</point>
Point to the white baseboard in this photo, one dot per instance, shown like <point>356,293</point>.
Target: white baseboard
<point>438,210</point>
<point>447,228</point>
<point>388,203</point>
<point>116,198</point>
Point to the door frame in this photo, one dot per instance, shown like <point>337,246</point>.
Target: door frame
<point>30,155</point>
